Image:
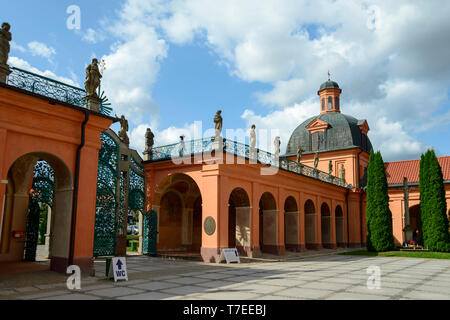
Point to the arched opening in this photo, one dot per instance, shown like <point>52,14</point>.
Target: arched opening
<point>268,223</point>
<point>179,215</point>
<point>414,220</point>
<point>239,220</point>
<point>291,224</point>
<point>339,221</point>
<point>24,202</point>
<point>325,222</point>
<point>310,225</point>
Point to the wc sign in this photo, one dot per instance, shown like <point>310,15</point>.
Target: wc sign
<point>119,269</point>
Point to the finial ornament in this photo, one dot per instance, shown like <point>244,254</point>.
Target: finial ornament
<point>329,75</point>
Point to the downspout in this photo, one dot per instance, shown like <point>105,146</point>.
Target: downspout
<point>75,187</point>
<point>346,205</point>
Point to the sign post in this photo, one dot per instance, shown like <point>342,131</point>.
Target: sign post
<point>230,255</point>
<point>119,269</point>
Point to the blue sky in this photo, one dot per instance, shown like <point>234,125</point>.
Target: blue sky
<point>171,63</point>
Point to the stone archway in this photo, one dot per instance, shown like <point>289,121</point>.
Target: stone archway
<point>325,225</point>
<point>15,209</point>
<point>239,220</point>
<point>291,224</point>
<point>339,223</point>
<point>178,203</point>
<point>310,225</point>
<point>268,223</point>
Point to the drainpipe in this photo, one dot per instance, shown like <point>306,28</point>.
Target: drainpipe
<point>346,205</point>
<point>75,188</point>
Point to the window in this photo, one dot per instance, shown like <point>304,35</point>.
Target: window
<point>336,103</point>
<point>323,103</point>
<point>330,103</point>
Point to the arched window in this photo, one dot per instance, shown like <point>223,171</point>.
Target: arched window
<point>330,103</point>
<point>336,103</point>
<point>323,103</point>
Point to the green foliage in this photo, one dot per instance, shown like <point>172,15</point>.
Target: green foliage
<point>433,207</point>
<point>379,217</point>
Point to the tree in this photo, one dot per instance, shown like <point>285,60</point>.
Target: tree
<point>433,206</point>
<point>379,216</point>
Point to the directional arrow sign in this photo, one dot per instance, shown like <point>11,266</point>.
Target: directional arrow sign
<point>119,268</point>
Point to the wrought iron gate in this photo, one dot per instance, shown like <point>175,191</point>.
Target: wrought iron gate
<point>107,204</point>
<point>43,191</point>
<point>150,232</point>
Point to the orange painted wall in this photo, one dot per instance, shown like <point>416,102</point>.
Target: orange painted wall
<point>31,124</point>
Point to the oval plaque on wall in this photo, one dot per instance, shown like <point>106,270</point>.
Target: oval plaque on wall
<point>209,226</point>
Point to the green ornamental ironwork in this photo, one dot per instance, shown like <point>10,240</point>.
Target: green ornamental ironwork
<point>43,191</point>
<point>150,233</point>
<point>205,145</point>
<point>106,205</point>
<point>136,192</point>
<point>54,89</point>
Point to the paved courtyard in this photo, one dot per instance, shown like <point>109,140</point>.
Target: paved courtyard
<point>325,277</point>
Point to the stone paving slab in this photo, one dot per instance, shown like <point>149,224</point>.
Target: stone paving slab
<point>115,292</point>
<point>304,293</point>
<point>354,296</point>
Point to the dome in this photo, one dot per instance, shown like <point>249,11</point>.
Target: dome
<point>341,132</point>
<point>329,85</point>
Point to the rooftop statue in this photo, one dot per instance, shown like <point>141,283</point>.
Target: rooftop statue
<point>277,144</point>
<point>218,124</point>
<point>93,77</point>
<point>149,140</point>
<point>330,168</point>
<point>123,130</point>
<point>5,38</point>
<point>299,154</point>
<point>342,172</point>
<point>316,160</point>
<point>253,153</point>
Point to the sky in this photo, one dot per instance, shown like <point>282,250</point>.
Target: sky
<point>170,65</point>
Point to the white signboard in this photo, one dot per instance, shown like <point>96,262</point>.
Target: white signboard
<point>119,269</point>
<point>230,255</point>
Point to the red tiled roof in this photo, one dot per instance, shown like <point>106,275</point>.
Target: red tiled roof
<point>395,171</point>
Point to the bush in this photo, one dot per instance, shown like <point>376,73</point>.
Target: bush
<point>379,217</point>
<point>433,206</point>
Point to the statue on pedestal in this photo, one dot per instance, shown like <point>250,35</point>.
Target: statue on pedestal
<point>149,142</point>
<point>218,125</point>
<point>316,160</point>
<point>299,154</point>
<point>123,130</point>
<point>330,168</point>
<point>93,77</point>
<point>277,144</point>
<point>5,38</point>
<point>253,142</point>
<point>181,147</point>
<point>342,172</point>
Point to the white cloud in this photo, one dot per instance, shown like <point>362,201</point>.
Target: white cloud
<point>22,64</point>
<point>17,47</point>
<point>93,36</point>
<point>41,49</point>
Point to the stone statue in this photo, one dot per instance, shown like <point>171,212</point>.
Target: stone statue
<point>277,144</point>
<point>149,140</point>
<point>330,168</point>
<point>218,124</point>
<point>93,77</point>
<point>123,130</point>
<point>5,38</point>
<point>316,160</point>
<point>253,142</point>
<point>299,154</point>
<point>253,137</point>
<point>342,172</point>
<point>181,147</point>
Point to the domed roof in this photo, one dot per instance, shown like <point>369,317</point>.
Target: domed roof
<point>343,132</point>
<point>329,84</point>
